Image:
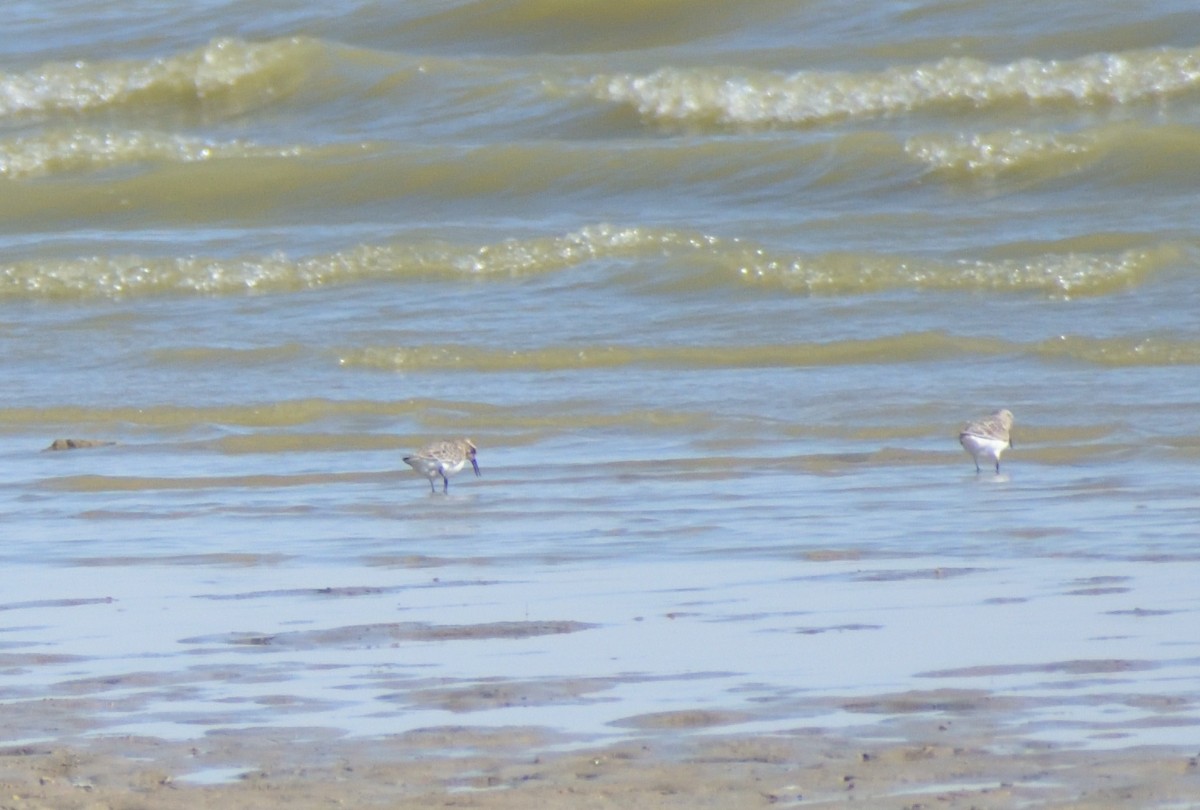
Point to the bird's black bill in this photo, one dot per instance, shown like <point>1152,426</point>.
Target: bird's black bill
<point>475,464</point>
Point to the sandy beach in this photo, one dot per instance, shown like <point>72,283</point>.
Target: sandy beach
<point>448,708</point>
<point>940,749</point>
<point>431,769</point>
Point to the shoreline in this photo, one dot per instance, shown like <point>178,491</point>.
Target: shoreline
<point>952,759</point>
<point>805,769</point>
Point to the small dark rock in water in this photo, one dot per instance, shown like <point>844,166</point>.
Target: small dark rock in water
<point>76,444</point>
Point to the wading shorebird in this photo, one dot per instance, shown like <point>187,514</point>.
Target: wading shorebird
<point>988,437</point>
<point>443,459</point>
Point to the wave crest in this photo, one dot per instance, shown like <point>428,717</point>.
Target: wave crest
<point>731,96</point>
<point>79,150</point>
<point>686,258</point>
<point>996,153</point>
<point>227,69</point>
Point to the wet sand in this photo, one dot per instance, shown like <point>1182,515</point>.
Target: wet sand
<point>462,767</point>
<point>893,685</point>
<point>942,748</point>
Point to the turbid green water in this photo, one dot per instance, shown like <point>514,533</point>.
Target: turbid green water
<point>711,286</point>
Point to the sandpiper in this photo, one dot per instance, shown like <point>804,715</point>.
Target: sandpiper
<point>443,459</point>
<point>988,437</point>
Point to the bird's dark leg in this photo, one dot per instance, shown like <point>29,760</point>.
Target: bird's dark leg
<point>431,488</point>
<point>445,484</point>
<point>997,466</point>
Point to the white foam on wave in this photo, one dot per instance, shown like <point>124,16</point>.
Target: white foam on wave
<point>223,65</point>
<point>70,150</point>
<point>741,96</point>
<point>994,153</point>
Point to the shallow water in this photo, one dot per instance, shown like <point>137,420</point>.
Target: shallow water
<point>180,646</point>
<point>711,286</point>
